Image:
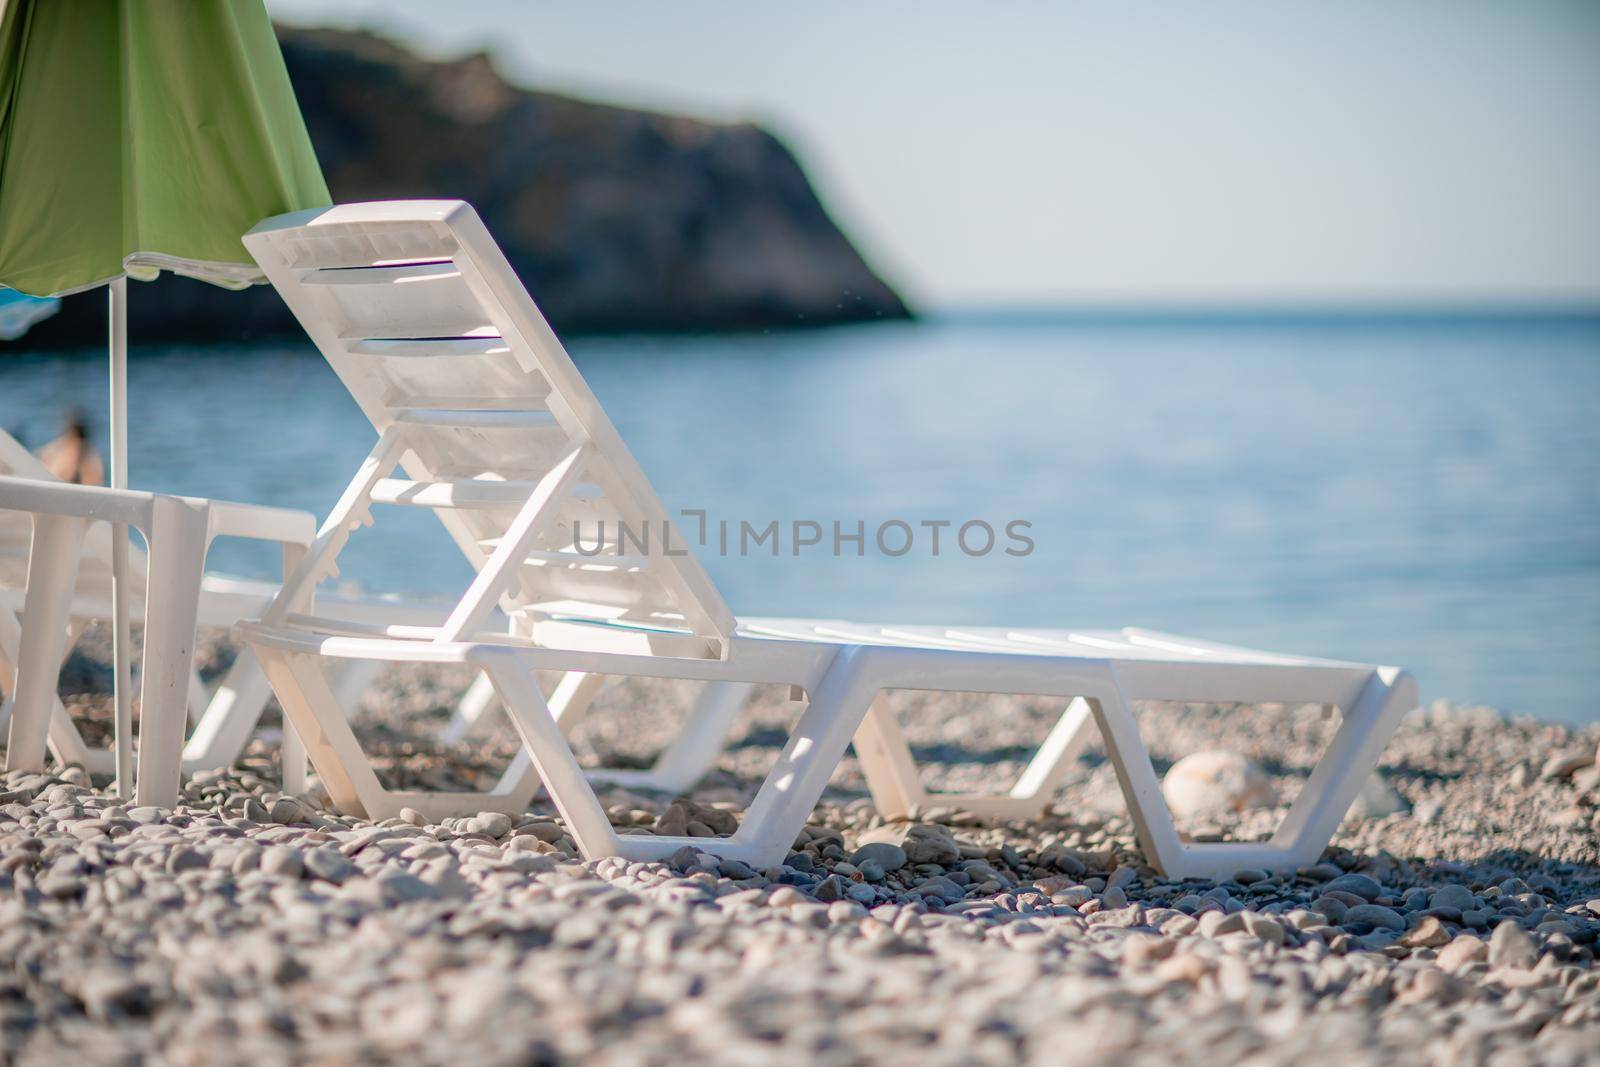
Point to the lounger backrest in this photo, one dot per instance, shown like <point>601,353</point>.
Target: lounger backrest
<point>417,310</point>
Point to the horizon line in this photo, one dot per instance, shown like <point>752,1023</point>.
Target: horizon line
<point>1178,312</point>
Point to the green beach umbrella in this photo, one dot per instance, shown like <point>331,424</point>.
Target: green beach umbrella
<point>138,136</point>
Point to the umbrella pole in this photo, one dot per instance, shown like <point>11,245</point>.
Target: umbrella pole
<point>117,294</point>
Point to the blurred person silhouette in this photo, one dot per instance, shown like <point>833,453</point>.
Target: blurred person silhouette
<point>70,456</point>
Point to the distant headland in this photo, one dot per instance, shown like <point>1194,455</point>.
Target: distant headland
<point>617,219</point>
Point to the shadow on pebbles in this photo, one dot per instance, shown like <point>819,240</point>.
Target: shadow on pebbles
<point>249,927</point>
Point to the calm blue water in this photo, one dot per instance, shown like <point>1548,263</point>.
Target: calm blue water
<point>1424,493</point>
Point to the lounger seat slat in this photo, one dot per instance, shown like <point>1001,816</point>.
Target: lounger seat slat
<point>585,504</point>
<point>367,242</point>
<point>642,594</point>
<point>408,274</point>
<point>606,546</point>
<point>430,347</point>
<point>480,419</point>
<point>429,328</point>
<point>582,613</point>
<point>422,300</point>
<point>601,562</point>
<point>468,493</point>
<point>399,631</point>
<point>581,518</point>
<point>462,403</point>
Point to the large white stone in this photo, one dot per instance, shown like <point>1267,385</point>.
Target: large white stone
<point>1213,783</point>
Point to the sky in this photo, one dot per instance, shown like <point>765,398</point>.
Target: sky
<point>1431,153</point>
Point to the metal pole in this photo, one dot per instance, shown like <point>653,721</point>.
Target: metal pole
<point>121,640</point>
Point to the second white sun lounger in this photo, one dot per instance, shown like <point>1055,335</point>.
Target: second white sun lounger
<point>221,722</point>
<point>484,420</point>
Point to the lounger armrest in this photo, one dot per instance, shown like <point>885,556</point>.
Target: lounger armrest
<point>93,502</point>
<point>131,506</point>
<point>284,525</point>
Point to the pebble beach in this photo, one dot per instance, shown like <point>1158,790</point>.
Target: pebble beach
<point>1453,920</point>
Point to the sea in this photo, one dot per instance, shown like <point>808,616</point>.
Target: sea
<point>1411,489</point>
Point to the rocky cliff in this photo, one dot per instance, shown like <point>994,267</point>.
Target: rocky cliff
<point>615,218</point>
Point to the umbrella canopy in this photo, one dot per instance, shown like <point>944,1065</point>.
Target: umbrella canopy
<point>143,135</point>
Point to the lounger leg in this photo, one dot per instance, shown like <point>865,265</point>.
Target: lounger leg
<point>784,801</point>
<point>471,715</point>
<point>1152,820</point>
<point>1313,817</point>
<point>897,788</point>
<point>573,696</point>
<point>230,717</point>
<point>177,540</point>
<point>693,752</point>
<point>552,757</point>
<point>1351,758</point>
<point>10,641</point>
<point>10,631</point>
<point>351,679</point>
<point>291,761</point>
<point>316,717</point>
<point>703,737</point>
<point>886,762</point>
<point>121,659</point>
<point>792,788</point>
<point>235,711</point>
<point>65,743</point>
<point>318,721</point>
<point>569,705</point>
<point>1054,761</point>
<point>197,698</point>
<point>52,572</point>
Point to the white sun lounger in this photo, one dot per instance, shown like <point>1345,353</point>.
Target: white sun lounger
<point>222,722</point>
<point>483,419</point>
